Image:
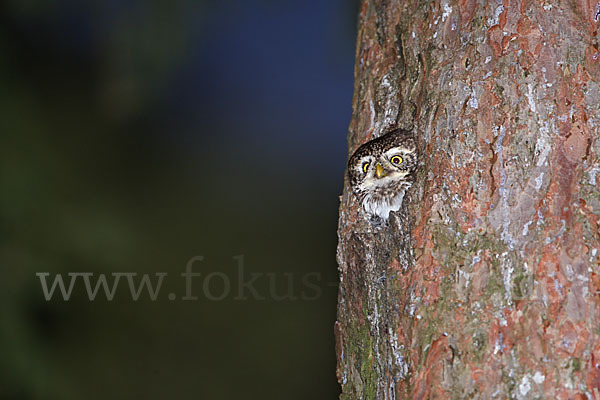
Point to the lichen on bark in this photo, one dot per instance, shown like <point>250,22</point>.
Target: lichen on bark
<point>486,284</point>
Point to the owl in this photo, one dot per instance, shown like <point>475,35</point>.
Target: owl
<point>381,171</point>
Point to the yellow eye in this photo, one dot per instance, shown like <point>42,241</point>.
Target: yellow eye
<point>365,167</point>
<point>396,160</point>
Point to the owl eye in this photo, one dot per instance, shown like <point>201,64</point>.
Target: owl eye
<point>365,166</point>
<point>396,160</point>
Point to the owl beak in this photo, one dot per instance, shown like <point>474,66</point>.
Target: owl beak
<point>379,171</point>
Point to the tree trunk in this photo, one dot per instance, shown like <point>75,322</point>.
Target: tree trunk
<point>486,283</point>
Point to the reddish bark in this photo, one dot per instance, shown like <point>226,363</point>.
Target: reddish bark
<point>486,284</point>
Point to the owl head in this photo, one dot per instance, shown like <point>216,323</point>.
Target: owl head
<point>381,170</point>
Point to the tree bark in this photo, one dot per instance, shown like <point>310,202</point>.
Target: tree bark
<point>486,283</point>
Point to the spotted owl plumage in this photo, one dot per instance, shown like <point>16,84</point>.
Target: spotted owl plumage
<point>381,171</point>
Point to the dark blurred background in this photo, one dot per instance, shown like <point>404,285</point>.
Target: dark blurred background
<point>136,135</point>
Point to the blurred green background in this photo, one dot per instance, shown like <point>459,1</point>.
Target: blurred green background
<point>136,135</point>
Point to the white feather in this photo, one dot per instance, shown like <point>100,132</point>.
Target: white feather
<point>383,208</point>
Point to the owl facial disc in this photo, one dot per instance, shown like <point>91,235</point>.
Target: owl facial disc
<point>381,171</point>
